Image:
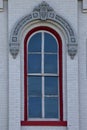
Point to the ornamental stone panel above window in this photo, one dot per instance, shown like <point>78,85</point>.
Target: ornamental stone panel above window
<point>43,12</point>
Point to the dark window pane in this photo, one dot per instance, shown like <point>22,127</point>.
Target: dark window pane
<point>51,107</point>
<point>34,63</point>
<point>35,43</point>
<point>51,85</point>
<point>50,43</point>
<point>34,86</point>
<point>35,107</point>
<point>50,63</point>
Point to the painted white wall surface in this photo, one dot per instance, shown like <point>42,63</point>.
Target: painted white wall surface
<point>43,128</point>
<point>67,9</point>
<point>82,52</point>
<point>3,68</point>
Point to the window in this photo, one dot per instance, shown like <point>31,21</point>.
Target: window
<point>42,76</point>
<point>43,104</point>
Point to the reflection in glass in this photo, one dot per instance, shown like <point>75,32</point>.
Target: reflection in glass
<point>35,107</point>
<point>34,85</point>
<point>34,63</point>
<point>51,85</point>
<point>35,43</point>
<point>51,107</point>
<point>50,43</point>
<point>50,63</point>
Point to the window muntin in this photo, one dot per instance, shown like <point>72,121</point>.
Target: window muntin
<point>43,69</point>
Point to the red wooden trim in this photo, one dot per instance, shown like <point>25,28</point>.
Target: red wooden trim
<point>43,123</point>
<point>60,76</point>
<point>60,80</point>
<point>25,80</point>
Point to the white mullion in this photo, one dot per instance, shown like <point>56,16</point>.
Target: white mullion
<point>39,74</point>
<point>42,74</point>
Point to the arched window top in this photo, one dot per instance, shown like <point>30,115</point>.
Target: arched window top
<point>52,39</point>
<point>37,39</point>
<point>34,44</point>
<point>42,52</point>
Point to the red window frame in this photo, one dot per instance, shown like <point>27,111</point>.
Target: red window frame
<point>26,122</point>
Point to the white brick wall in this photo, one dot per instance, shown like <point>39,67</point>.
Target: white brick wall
<point>3,69</point>
<point>14,93</point>
<point>43,128</point>
<point>72,94</point>
<point>83,67</point>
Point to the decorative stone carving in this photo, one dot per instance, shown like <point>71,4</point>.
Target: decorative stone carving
<point>42,12</point>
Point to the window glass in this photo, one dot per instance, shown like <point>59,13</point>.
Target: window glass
<point>35,43</point>
<point>51,85</point>
<point>35,107</point>
<point>34,63</point>
<point>51,107</point>
<point>50,43</point>
<point>34,85</point>
<point>50,63</point>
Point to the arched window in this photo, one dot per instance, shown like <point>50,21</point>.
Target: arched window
<point>43,99</point>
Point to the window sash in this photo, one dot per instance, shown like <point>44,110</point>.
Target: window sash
<point>42,74</point>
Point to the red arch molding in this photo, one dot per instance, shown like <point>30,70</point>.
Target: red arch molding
<point>60,122</point>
